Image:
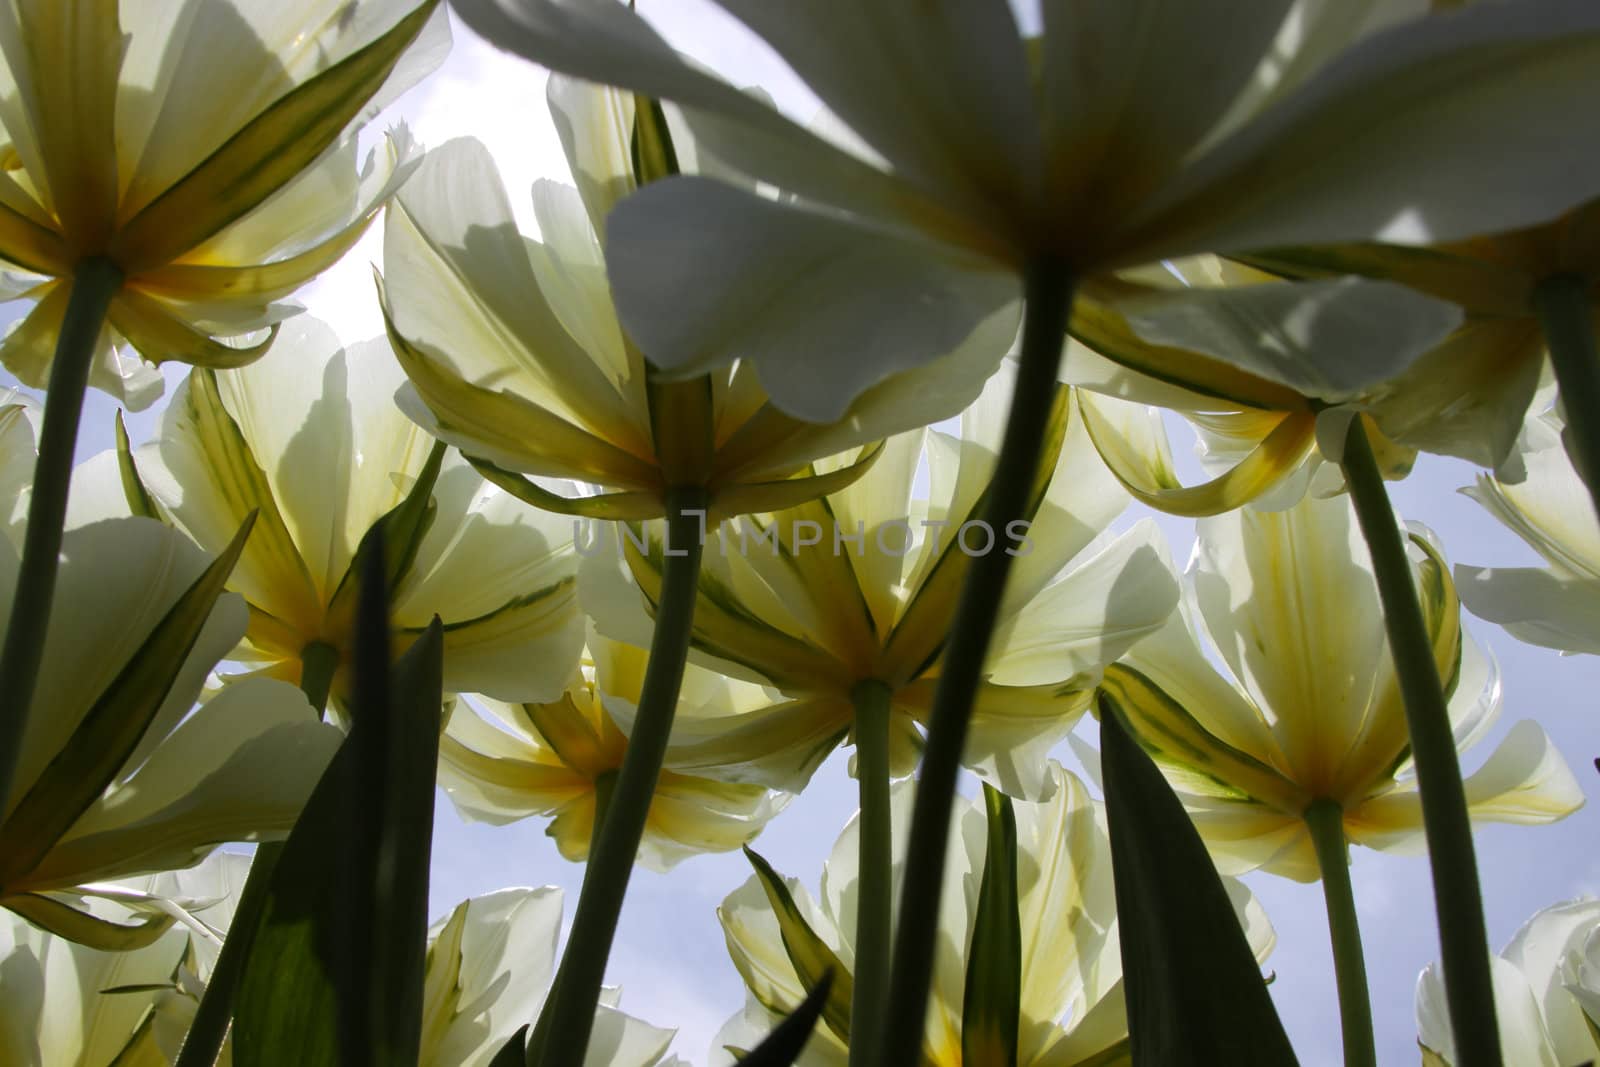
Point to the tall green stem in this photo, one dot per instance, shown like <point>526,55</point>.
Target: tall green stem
<point>93,286</point>
<point>319,662</point>
<point>569,1010</point>
<point>1566,311</point>
<point>1457,898</point>
<point>875,863</point>
<point>1325,819</point>
<point>1048,290</point>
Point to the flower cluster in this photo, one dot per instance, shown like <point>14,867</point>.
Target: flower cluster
<point>784,434</point>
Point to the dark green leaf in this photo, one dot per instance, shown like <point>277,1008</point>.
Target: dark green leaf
<point>784,1044</point>
<point>335,975</point>
<point>112,729</point>
<point>1194,991</point>
<point>992,1003</point>
<point>511,1053</point>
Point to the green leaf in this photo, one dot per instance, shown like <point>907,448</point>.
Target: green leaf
<point>139,500</point>
<point>783,1045</point>
<point>810,956</point>
<point>269,152</point>
<point>1194,992</point>
<point>991,1007</point>
<point>511,1053</point>
<point>336,971</point>
<point>112,729</point>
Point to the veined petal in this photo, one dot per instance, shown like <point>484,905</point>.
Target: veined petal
<point>1290,601</point>
<point>203,471</point>
<point>118,579</point>
<point>1090,615</point>
<point>1342,158</point>
<point>841,310</point>
<point>266,153</point>
<point>74,56</point>
<point>1110,72</point>
<point>942,91</point>
<point>461,287</point>
<point>779,746</point>
<point>239,769</point>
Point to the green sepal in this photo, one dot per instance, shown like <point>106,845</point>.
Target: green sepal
<point>810,956</point>
<point>1194,991</point>
<point>991,1006</point>
<point>111,730</point>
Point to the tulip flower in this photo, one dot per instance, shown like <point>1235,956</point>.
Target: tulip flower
<point>488,965</point>
<point>562,758</point>
<point>128,146</point>
<point>1069,970</point>
<point>310,438</point>
<point>831,601</point>
<point>969,159</point>
<point>1525,293</point>
<point>172,171</point>
<point>236,768</point>
<point>1546,988</point>
<point>516,357</point>
<point>1297,744</point>
<point>1558,605</point>
<point>68,1005</point>
<point>1257,415</point>
<point>844,606</point>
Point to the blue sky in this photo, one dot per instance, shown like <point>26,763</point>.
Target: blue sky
<point>670,958</point>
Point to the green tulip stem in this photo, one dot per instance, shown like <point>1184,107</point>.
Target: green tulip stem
<point>1457,898</point>
<point>1566,311</point>
<point>1048,287</point>
<point>575,993</point>
<point>1325,819</point>
<point>94,284</point>
<point>319,662</point>
<point>875,863</point>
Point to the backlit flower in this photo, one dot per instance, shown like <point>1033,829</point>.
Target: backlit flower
<point>206,148</point>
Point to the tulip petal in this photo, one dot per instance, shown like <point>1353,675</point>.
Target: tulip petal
<point>1411,108</point>
<point>160,335</point>
<point>239,769</point>
<point>1144,469</point>
<point>275,146</point>
<point>1537,606</point>
<point>871,303</point>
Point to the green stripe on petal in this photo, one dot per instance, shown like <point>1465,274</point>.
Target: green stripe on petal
<point>265,155</point>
